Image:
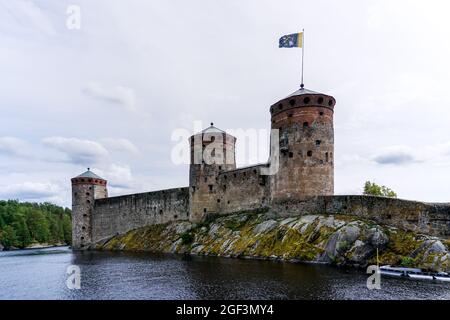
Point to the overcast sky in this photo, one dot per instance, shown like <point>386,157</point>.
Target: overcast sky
<point>110,95</point>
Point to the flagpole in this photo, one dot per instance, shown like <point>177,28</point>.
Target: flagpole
<point>302,85</point>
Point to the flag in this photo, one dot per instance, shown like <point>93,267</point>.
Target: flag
<point>294,40</point>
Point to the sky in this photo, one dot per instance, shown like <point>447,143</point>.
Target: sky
<point>112,94</point>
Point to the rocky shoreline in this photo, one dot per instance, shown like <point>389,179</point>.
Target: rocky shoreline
<point>34,246</point>
<point>332,239</point>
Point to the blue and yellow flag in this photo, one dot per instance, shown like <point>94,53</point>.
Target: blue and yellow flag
<point>294,40</point>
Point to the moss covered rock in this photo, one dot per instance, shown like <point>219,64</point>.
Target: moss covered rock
<point>333,239</point>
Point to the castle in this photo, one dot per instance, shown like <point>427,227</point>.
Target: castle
<point>303,182</point>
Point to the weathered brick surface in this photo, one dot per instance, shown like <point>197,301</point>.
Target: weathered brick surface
<point>307,146</point>
<point>242,189</point>
<point>421,217</point>
<point>84,193</point>
<point>117,215</point>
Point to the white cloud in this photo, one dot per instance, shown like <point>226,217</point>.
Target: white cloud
<point>121,145</point>
<point>397,155</point>
<point>77,151</point>
<point>26,17</point>
<point>13,146</point>
<point>118,95</point>
<point>30,191</point>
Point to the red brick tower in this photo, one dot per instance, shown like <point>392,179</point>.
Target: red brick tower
<point>305,121</point>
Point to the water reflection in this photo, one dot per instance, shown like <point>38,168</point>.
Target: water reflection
<point>41,274</point>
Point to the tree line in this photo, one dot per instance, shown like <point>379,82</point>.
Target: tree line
<point>24,223</point>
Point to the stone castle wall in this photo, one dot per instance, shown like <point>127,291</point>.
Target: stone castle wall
<point>242,189</point>
<point>117,215</point>
<point>427,218</point>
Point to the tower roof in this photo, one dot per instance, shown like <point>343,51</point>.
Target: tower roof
<point>89,174</point>
<point>212,129</point>
<point>301,92</point>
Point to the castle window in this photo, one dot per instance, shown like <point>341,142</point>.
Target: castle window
<point>225,177</point>
<point>291,154</point>
<point>206,179</point>
<point>309,154</point>
<point>160,211</point>
<point>83,228</point>
<point>234,174</point>
<point>204,210</point>
<point>90,188</point>
<point>280,106</point>
<point>82,180</point>
<point>87,193</point>
<point>85,215</point>
<point>292,102</point>
<point>90,180</point>
<point>330,102</point>
<point>262,180</point>
<point>290,115</point>
<point>210,186</point>
<point>82,238</point>
<point>224,187</point>
<point>320,100</point>
<point>306,100</point>
<point>326,156</point>
<point>389,216</point>
<point>318,142</point>
<point>220,167</point>
<point>254,171</point>
<point>175,217</point>
<point>228,202</point>
<point>88,201</point>
<point>245,174</point>
<point>218,200</point>
<point>305,124</point>
<point>321,113</point>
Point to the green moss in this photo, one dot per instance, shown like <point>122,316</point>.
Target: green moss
<point>407,262</point>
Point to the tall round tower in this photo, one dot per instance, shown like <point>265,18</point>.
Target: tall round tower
<point>86,187</point>
<point>212,151</point>
<point>305,123</point>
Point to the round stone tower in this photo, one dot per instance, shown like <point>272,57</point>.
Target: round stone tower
<point>86,187</point>
<point>212,151</point>
<point>305,123</point>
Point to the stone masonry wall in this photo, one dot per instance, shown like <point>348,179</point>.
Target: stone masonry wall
<point>421,217</point>
<point>117,215</point>
<point>242,189</point>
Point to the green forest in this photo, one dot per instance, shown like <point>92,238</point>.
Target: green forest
<point>24,223</point>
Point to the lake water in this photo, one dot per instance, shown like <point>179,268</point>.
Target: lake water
<point>41,274</point>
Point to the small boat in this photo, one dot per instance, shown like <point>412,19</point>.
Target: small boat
<point>414,273</point>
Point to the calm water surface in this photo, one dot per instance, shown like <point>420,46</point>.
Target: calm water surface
<point>41,274</point>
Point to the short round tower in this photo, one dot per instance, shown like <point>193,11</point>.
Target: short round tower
<point>212,151</point>
<point>86,187</point>
<point>305,123</point>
